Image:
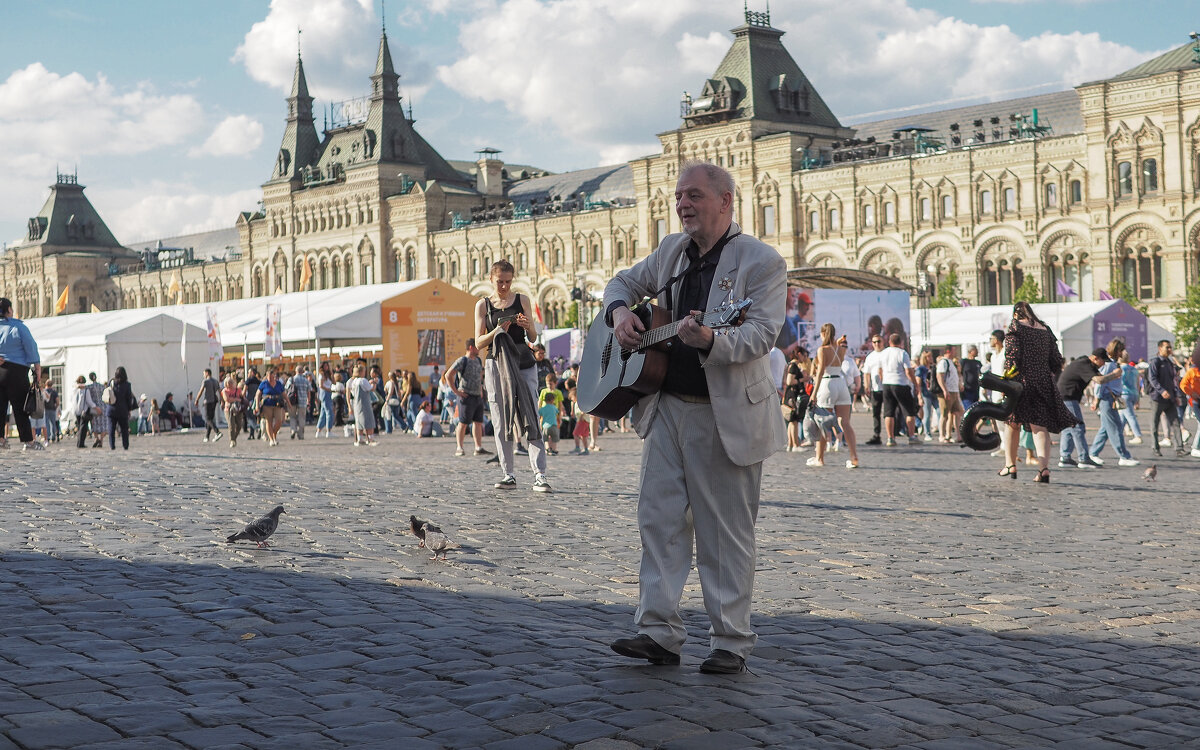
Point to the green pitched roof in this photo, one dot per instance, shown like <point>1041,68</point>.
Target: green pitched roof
<point>1180,58</point>
<point>68,220</point>
<point>761,67</point>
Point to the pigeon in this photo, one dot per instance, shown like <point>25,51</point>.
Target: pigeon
<point>1151,474</point>
<point>436,541</point>
<point>418,529</point>
<point>261,529</point>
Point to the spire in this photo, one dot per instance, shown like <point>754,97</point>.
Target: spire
<point>385,84</point>
<point>383,64</point>
<point>299,82</point>
<point>300,141</point>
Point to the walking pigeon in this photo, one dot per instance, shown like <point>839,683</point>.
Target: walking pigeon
<point>260,530</point>
<point>418,529</point>
<point>435,541</point>
<point>1151,474</point>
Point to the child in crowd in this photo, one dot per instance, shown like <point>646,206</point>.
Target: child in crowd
<point>154,414</point>
<point>549,411</point>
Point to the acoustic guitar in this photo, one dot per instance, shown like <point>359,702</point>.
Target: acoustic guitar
<point>612,379</point>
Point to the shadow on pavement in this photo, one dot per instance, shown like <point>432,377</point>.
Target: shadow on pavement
<point>96,652</point>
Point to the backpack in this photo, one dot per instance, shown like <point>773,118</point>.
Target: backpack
<point>293,398</point>
<point>1191,382</point>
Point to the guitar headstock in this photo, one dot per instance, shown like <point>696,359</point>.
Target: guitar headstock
<point>729,315</point>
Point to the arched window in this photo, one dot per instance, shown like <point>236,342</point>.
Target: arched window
<point>1150,175</point>
<point>985,202</point>
<point>1010,199</point>
<point>1076,192</point>
<point>768,220</point>
<point>947,206</point>
<point>889,213</point>
<point>410,267</point>
<point>868,215</point>
<point>814,221</point>
<point>337,273</point>
<point>1000,274</point>
<point>926,209</point>
<point>835,220</point>
<point>1142,267</point>
<point>1124,178</point>
<point>1072,267</point>
<point>596,252</point>
<point>1051,195</point>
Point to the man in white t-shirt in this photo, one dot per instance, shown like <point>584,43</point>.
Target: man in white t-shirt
<point>899,381</point>
<point>950,401</point>
<point>875,381</point>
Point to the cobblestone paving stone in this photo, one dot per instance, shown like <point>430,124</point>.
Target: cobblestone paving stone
<point>918,602</point>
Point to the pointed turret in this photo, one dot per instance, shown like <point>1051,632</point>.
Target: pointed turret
<point>385,83</point>
<point>300,145</point>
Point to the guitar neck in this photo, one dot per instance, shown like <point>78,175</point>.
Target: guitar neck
<point>662,333</point>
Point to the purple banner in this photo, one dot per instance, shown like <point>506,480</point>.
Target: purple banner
<point>1119,320</point>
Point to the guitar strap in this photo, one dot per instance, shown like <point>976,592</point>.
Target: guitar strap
<point>697,265</point>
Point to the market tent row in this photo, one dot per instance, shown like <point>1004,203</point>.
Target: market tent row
<point>146,342</point>
<point>430,320</point>
<point>1080,326</point>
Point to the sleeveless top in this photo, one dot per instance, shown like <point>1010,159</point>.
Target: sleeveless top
<point>515,332</point>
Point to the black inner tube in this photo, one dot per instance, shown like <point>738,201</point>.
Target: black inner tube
<point>974,432</point>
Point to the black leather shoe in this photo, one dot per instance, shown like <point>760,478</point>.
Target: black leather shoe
<point>720,661</point>
<point>644,647</point>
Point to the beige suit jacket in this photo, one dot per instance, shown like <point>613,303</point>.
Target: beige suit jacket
<point>745,402</point>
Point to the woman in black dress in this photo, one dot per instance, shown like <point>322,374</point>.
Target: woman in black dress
<point>118,411</point>
<point>1031,348</point>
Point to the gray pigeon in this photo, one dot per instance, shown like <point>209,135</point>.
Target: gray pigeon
<point>418,529</point>
<point>1151,474</point>
<point>260,530</point>
<point>435,541</point>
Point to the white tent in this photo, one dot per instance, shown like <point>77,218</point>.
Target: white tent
<point>345,317</point>
<point>1080,326</point>
<point>145,342</point>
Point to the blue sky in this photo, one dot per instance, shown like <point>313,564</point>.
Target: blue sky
<point>172,112</point>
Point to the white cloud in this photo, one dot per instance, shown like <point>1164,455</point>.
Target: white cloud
<point>163,210</point>
<point>48,120</point>
<point>603,74</point>
<point>339,40</point>
<point>236,135</point>
<point>61,117</point>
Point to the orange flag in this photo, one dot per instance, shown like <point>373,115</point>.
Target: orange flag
<point>61,304</point>
<point>305,275</point>
<point>542,270</point>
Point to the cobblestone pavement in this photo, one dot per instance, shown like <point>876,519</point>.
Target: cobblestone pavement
<point>920,601</point>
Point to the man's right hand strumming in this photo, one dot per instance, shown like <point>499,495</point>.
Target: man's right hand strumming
<point>627,328</point>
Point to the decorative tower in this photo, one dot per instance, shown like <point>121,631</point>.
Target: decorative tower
<point>301,144</point>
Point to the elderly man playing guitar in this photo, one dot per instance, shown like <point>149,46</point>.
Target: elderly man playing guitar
<point>710,428</point>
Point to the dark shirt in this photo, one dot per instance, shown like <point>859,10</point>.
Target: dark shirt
<point>1161,374</point>
<point>168,407</point>
<point>970,378</point>
<point>1075,378</point>
<point>684,373</point>
<point>515,332</point>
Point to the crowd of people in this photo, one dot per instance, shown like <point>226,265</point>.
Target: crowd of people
<point>924,400</point>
